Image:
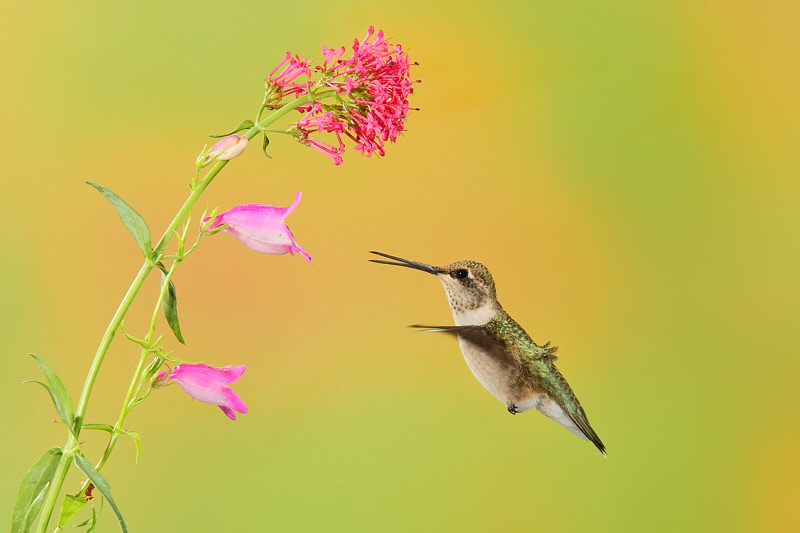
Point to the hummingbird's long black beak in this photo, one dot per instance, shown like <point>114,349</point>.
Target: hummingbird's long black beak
<point>405,263</point>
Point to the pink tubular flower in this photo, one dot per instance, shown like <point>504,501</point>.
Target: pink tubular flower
<point>209,384</point>
<point>372,89</point>
<point>261,227</point>
<point>227,148</point>
<point>377,80</point>
<point>284,81</point>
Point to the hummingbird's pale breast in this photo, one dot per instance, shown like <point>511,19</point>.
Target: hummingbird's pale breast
<point>474,307</point>
<point>496,376</point>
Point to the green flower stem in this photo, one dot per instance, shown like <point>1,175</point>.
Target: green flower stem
<point>136,384</point>
<point>147,267</point>
<point>311,97</point>
<point>73,444</point>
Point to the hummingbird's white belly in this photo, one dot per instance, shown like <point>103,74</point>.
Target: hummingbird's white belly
<point>492,374</point>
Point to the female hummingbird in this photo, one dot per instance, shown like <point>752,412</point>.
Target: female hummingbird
<point>500,354</point>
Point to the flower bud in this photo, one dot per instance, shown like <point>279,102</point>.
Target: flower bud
<point>227,148</point>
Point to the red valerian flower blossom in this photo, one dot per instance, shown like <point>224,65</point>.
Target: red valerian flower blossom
<point>371,102</point>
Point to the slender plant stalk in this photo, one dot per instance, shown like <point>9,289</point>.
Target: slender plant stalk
<point>73,444</point>
<point>136,384</point>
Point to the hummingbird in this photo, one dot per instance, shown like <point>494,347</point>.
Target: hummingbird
<point>498,352</point>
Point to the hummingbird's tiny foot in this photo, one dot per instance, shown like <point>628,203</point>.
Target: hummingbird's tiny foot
<point>513,409</point>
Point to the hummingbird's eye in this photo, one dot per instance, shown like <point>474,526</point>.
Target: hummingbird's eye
<point>461,273</point>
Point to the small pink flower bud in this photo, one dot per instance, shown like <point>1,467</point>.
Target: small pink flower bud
<point>227,148</point>
<point>209,384</point>
<point>261,228</point>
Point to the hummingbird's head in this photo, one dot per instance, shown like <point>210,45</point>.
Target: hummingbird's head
<point>468,284</point>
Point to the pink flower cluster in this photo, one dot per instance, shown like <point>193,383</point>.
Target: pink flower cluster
<point>372,89</point>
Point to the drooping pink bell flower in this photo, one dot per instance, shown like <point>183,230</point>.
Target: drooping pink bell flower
<point>261,227</point>
<point>208,384</point>
<point>227,148</point>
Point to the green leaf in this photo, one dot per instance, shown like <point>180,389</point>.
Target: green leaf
<point>85,522</point>
<point>57,390</point>
<point>245,125</point>
<point>170,305</point>
<point>132,220</point>
<point>100,484</point>
<point>93,519</point>
<point>110,429</point>
<point>32,490</point>
<point>70,506</point>
<point>264,145</point>
<point>59,407</point>
<point>33,511</point>
<point>137,439</point>
<point>101,427</point>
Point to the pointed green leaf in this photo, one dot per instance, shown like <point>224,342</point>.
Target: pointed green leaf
<point>100,484</point>
<point>138,440</point>
<point>132,220</point>
<point>58,391</point>
<point>70,506</point>
<point>170,305</point>
<point>32,489</point>
<point>264,145</point>
<point>59,407</point>
<point>92,520</point>
<point>33,511</point>
<point>245,125</point>
<point>84,523</point>
<point>101,427</point>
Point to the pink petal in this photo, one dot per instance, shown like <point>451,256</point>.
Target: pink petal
<point>228,412</point>
<point>207,375</point>
<point>294,247</point>
<point>234,372</point>
<point>275,248</point>
<point>233,401</point>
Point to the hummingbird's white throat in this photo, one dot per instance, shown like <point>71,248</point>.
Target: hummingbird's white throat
<point>469,308</point>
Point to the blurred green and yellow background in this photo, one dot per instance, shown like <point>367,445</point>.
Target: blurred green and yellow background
<point>628,171</point>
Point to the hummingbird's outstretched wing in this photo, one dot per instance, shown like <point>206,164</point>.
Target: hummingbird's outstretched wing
<point>481,337</point>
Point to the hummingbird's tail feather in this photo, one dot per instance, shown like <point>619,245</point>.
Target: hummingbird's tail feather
<point>577,423</point>
<point>582,422</point>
